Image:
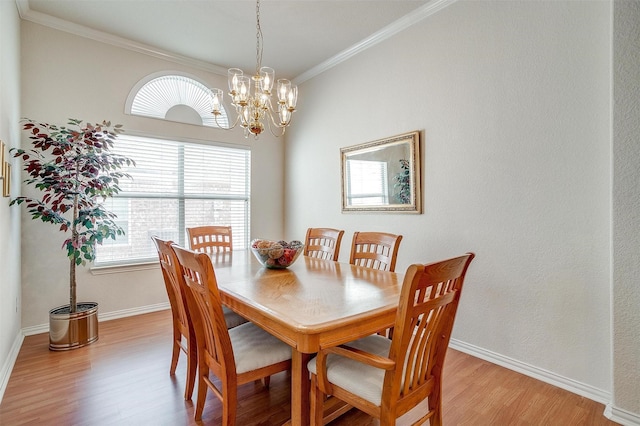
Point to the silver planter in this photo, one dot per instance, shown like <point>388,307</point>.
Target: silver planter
<point>73,330</point>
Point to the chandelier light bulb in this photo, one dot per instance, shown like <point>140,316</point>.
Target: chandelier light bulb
<point>292,98</point>
<point>216,99</point>
<point>267,74</point>
<point>233,75</point>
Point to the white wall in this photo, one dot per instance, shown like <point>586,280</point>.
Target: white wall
<point>512,99</point>
<point>10,305</point>
<point>69,76</point>
<point>626,208</point>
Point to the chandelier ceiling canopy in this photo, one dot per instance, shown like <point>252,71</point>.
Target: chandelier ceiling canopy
<point>251,96</point>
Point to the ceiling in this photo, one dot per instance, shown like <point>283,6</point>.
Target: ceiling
<point>301,38</point>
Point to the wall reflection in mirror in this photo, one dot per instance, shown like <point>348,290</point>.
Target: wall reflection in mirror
<point>383,175</point>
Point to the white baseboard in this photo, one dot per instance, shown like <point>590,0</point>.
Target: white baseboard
<point>134,311</point>
<point>621,416</point>
<point>7,368</point>
<point>106,316</point>
<point>554,379</point>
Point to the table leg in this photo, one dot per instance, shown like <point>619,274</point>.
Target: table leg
<point>300,388</point>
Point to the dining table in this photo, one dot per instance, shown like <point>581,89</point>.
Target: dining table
<point>310,305</point>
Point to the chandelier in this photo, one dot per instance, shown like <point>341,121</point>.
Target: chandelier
<point>254,108</point>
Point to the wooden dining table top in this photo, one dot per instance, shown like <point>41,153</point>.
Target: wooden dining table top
<point>312,304</point>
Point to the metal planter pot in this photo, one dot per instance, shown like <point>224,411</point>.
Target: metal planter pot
<point>73,330</point>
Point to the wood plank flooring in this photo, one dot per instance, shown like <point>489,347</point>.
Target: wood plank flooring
<point>123,379</point>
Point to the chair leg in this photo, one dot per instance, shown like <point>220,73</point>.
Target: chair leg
<point>176,351</point>
<point>317,403</point>
<point>386,419</point>
<point>388,332</point>
<point>266,381</point>
<point>202,392</point>
<point>229,404</point>
<point>192,364</point>
<point>435,406</point>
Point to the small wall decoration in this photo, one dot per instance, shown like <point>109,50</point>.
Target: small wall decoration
<point>6,187</point>
<point>5,172</point>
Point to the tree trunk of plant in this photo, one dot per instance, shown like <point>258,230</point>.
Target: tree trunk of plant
<point>72,266</point>
<point>72,286</point>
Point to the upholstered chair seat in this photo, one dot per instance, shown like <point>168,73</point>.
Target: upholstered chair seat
<point>254,348</point>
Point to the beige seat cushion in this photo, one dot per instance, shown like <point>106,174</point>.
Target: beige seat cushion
<point>356,377</point>
<point>254,348</point>
<point>364,380</point>
<point>231,318</point>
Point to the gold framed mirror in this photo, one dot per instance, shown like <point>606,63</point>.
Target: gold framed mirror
<point>382,175</point>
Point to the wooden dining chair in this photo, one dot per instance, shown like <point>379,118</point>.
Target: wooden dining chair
<point>210,238</point>
<point>184,338</point>
<point>235,356</point>
<point>376,250</point>
<point>214,240</point>
<point>386,378</point>
<point>323,243</point>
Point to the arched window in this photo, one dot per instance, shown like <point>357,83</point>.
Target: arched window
<point>175,97</point>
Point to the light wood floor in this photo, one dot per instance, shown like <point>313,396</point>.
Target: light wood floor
<point>123,379</point>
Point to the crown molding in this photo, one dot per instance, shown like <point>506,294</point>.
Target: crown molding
<point>385,33</point>
<point>60,24</point>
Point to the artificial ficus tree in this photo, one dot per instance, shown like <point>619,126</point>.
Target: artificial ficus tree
<point>76,172</point>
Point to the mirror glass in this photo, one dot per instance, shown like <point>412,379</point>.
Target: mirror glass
<point>382,175</point>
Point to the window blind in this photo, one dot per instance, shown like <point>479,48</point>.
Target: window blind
<point>367,182</point>
<point>176,185</point>
<point>162,94</point>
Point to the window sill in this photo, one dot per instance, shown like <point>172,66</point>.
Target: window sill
<point>116,269</point>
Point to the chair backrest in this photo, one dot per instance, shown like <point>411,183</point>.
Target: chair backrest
<point>205,307</point>
<point>210,239</point>
<point>323,243</point>
<point>426,313</point>
<point>175,291</point>
<point>375,250</point>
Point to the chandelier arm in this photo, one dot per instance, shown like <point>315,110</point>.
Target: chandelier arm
<point>269,108</point>
<point>276,125</point>
<point>273,112</point>
<point>235,123</point>
<point>284,128</point>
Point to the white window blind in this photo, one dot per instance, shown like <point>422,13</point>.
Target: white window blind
<point>176,185</point>
<point>367,182</point>
<point>176,98</point>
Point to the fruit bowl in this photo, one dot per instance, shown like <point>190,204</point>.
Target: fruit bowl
<point>276,254</point>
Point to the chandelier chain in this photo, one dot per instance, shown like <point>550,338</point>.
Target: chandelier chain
<point>258,39</point>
